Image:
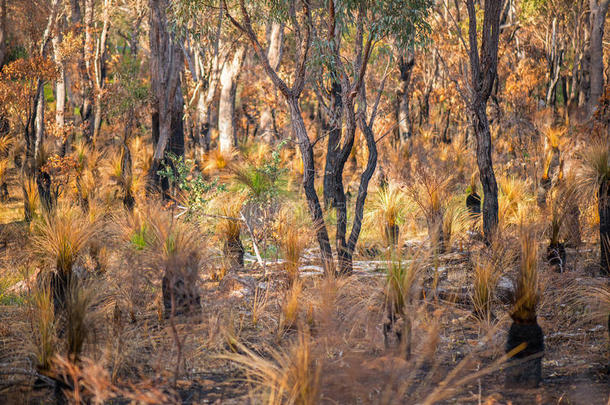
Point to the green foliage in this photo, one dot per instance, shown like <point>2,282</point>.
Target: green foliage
<point>265,181</point>
<point>129,90</point>
<point>141,238</point>
<point>194,191</point>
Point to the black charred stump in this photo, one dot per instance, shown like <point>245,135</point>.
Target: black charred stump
<point>185,298</point>
<point>524,370</point>
<point>234,251</point>
<point>473,203</point>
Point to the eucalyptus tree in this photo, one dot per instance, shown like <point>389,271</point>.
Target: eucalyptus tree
<point>363,25</point>
<point>597,19</point>
<point>166,65</point>
<point>483,74</point>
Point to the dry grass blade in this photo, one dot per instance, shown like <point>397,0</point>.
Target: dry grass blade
<point>288,376</point>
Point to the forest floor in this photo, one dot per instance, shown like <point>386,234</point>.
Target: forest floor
<point>344,319</point>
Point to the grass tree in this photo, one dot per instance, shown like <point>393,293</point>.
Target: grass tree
<point>525,338</point>
<point>597,174</point>
<point>365,25</point>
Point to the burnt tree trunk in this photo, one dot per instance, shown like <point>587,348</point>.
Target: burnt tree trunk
<point>483,69</point>
<point>333,130</point>
<point>309,172</point>
<point>405,129</point>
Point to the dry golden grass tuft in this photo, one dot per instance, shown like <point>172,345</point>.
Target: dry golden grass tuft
<point>293,237</point>
<point>290,375</point>
<point>527,293</point>
<point>62,237</point>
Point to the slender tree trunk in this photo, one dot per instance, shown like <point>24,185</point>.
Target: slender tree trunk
<point>333,131</point>
<point>309,172</point>
<point>100,69</point>
<point>554,58</point>
<point>274,53</point>
<point>166,64</point>
<point>597,19</point>
<point>60,84</point>
<point>483,68</point>
<point>2,32</point>
<point>226,107</point>
<point>405,128</point>
<point>88,85</point>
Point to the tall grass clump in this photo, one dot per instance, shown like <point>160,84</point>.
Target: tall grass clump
<point>178,250</point>
<point>387,210</point>
<point>401,293</point>
<point>43,328</point>
<point>596,174</point>
<point>289,376</point>
<point>30,198</point>
<point>525,336</point>
<point>293,238</point>
<point>61,238</point>
<point>486,275</point>
<point>429,191</point>
<point>229,228</point>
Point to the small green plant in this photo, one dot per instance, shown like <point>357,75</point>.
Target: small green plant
<point>194,191</point>
<point>263,182</point>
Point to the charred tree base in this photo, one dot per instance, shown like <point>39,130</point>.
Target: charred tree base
<point>524,370</point>
<point>473,204</point>
<point>391,234</point>
<point>185,298</point>
<point>234,252</point>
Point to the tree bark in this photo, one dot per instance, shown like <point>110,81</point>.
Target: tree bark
<point>309,174</point>
<point>227,138</point>
<point>166,64</point>
<point>483,69</point>
<point>2,32</point>
<point>597,19</point>
<point>100,69</point>
<point>60,84</point>
<point>333,131</point>
<point>405,128</point>
<point>88,85</point>
<point>274,53</point>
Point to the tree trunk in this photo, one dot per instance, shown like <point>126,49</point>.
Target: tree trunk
<point>60,84</point>
<point>309,171</point>
<point>521,373</point>
<point>166,64</point>
<point>486,172</point>
<point>597,19</point>
<point>100,69</point>
<point>88,85</point>
<point>2,33</point>
<point>333,131</point>
<point>227,139</point>
<point>405,66</point>
<point>274,53</point>
<point>554,59</point>
<point>483,69</point>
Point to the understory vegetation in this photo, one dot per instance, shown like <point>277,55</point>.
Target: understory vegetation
<point>304,202</point>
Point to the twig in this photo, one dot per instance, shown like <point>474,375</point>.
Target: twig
<point>258,255</point>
